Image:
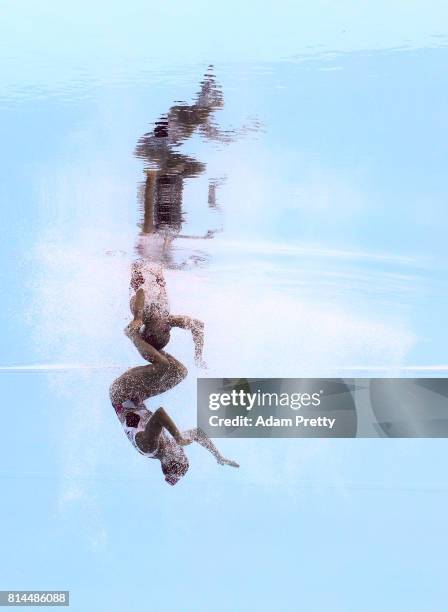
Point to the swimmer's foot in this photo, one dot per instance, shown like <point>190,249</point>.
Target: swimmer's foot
<point>200,363</point>
<point>224,461</point>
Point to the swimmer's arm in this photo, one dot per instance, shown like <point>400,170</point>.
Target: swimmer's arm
<point>197,331</point>
<point>146,350</point>
<point>160,420</point>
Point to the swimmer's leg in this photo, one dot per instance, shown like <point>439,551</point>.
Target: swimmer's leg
<point>198,435</point>
<point>143,382</point>
<point>161,378</point>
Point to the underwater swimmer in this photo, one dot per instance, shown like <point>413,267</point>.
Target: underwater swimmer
<point>147,430</point>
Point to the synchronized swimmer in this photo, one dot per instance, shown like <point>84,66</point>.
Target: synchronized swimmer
<point>148,431</point>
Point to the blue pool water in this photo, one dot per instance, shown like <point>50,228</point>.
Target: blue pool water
<point>329,258</point>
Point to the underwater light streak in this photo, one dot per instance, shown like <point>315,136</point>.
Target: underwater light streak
<point>61,367</point>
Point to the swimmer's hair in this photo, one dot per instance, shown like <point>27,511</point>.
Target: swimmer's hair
<point>132,419</point>
<point>174,470</point>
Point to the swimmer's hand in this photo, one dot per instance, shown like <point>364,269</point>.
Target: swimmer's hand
<point>200,363</point>
<point>224,461</point>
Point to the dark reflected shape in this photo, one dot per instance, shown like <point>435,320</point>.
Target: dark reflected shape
<point>179,124</point>
<point>411,408</point>
<point>166,168</point>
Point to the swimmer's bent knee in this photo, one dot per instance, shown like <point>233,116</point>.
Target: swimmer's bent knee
<point>176,373</point>
<point>176,369</point>
<point>182,371</point>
